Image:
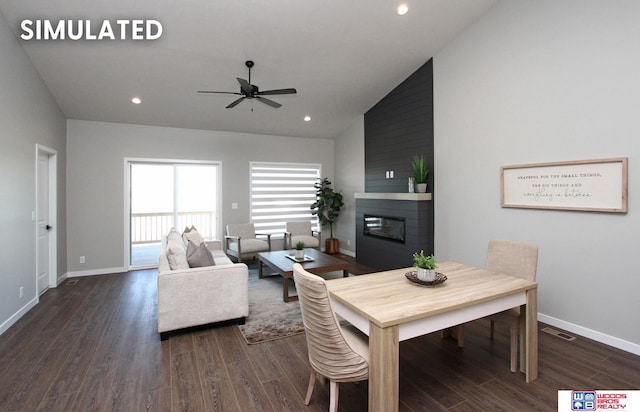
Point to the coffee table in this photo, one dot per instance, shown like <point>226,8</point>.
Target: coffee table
<point>282,265</point>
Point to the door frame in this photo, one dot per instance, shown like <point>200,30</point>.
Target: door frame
<point>52,155</point>
<point>127,196</point>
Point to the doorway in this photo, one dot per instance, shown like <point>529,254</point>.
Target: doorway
<point>166,194</point>
<point>45,218</point>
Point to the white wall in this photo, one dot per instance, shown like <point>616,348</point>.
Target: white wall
<point>95,168</point>
<point>539,82</point>
<point>28,116</point>
<point>349,166</point>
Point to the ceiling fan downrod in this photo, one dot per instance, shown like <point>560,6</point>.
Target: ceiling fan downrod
<point>249,64</point>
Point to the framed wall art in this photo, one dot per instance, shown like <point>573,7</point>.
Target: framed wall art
<point>598,185</point>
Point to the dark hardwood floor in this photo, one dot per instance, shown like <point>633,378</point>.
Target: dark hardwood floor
<point>94,346</point>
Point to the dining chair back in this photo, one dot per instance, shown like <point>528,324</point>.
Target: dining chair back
<point>513,258</point>
<point>340,354</point>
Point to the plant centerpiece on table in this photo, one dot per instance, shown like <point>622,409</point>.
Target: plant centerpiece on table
<point>327,208</point>
<point>425,266</point>
<point>299,254</point>
<point>420,172</point>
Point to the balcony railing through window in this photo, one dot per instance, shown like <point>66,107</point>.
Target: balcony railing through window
<point>150,227</point>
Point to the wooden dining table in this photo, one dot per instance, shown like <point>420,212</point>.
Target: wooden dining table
<point>389,308</point>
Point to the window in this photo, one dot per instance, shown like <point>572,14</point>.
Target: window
<point>280,193</point>
<point>164,194</point>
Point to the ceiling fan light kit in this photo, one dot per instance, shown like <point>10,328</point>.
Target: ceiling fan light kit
<point>251,91</point>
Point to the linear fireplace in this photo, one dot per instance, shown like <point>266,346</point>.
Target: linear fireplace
<point>385,227</point>
<point>389,217</point>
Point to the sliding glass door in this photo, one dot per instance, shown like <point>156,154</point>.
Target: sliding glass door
<point>165,195</point>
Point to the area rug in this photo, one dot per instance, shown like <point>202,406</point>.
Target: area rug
<point>269,317</point>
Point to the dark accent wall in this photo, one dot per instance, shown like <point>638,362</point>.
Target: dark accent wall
<point>397,128</point>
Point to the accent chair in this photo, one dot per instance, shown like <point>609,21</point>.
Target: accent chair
<point>301,232</point>
<point>241,241</point>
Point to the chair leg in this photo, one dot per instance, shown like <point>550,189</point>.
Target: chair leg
<point>514,331</point>
<point>333,396</point>
<point>460,335</point>
<point>456,332</point>
<point>312,382</point>
<point>492,327</point>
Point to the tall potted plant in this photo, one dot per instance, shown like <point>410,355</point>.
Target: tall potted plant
<point>420,172</point>
<point>327,208</point>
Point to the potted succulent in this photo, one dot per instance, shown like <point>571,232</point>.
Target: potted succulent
<point>420,172</point>
<point>327,208</point>
<point>425,266</point>
<point>299,254</point>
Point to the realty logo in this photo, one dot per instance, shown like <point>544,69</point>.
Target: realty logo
<point>583,400</point>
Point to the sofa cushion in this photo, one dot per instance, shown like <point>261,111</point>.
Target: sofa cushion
<point>220,257</point>
<point>193,235</point>
<point>250,245</point>
<point>198,255</point>
<point>308,240</point>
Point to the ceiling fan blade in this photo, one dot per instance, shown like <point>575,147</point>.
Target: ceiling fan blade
<point>269,102</point>
<point>212,92</point>
<point>246,87</point>
<point>235,103</point>
<point>277,91</point>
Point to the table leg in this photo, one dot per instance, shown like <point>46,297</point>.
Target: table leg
<point>530,361</point>
<point>384,386</point>
<point>345,273</point>
<point>259,269</point>
<point>285,290</point>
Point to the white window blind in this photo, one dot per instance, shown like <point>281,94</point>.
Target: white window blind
<point>280,193</point>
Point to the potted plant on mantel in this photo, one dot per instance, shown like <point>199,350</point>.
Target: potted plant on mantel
<point>420,172</point>
<point>327,208</point>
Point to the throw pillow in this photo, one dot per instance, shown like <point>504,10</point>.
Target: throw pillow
<point>192,235</point>
<point>177,259</point>
<point>198,255</point>
<point>174,242</point>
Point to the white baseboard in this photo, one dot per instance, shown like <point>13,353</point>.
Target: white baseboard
<point>61,279</point>
<point>16,316</point>
<point>591,334</point>
<point>106,271</point>
<point>348,252</point>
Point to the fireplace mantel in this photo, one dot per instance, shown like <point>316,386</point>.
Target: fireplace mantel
<point>394,196</point>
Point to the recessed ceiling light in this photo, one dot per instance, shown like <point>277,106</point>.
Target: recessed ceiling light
<point>402,9</point>
<point>136,100</point>
<point>307,118</point>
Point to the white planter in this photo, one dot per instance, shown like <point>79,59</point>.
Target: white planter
<point>426,275</point>
<point>421,188</point>
<point>299,254</point>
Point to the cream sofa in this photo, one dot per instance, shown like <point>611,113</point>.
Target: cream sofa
<point>201,295</point>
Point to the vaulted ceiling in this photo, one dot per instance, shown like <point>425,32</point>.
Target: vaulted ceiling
<point>341,56</point>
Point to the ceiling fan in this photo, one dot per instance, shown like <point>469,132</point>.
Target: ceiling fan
<point>251,91</point>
